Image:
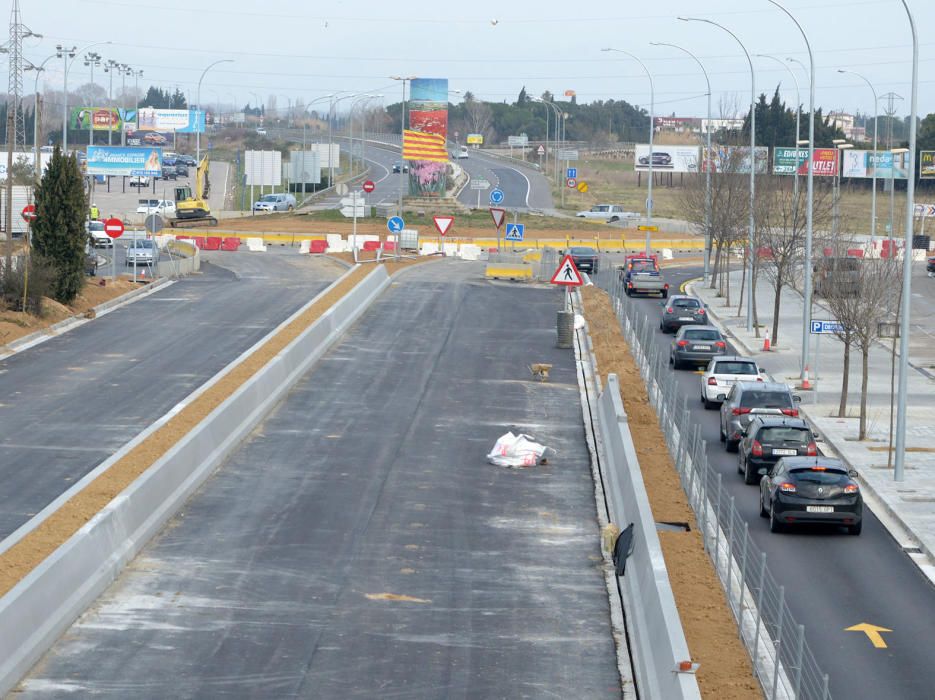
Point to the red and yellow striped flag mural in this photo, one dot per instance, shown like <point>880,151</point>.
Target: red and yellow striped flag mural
<point>420,146</point>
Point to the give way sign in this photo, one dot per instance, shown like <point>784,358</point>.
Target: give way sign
<point>443,223</point>
<point>567,274</point>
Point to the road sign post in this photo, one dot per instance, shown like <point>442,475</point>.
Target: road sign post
<point>567,276</point>
<point>395,224</point>
<point>479,184</point>
<point>499,216</point>
<point>114,228</point>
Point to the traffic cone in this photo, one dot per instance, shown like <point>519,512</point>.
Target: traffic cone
<point>806,385</point>
<point>766,341</point>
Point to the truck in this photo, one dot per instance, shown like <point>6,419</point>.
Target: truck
<point>191,207</point>
<point>640,275</point>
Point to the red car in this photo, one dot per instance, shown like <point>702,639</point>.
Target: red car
<point>156,139</point>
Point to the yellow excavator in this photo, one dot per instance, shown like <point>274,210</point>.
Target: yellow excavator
<point>191,209</point>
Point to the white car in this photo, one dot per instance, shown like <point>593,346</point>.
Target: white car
<point>142,251</point>
<point>163,207</point>
<point>275,202</point>
<point>99,239</point>
<point>721,374</point>
<point>139,181</point>
<point>607,212</point>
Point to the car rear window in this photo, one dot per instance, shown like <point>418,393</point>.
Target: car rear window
<point>766,399</point>
<point>820,475</point>
<point>701,334</point>
<point>582,251</point>
<point>784,433</point>
<point>733,367</point>
<point>686,303</point>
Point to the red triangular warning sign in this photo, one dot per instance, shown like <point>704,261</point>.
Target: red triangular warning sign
<point>443,223</point>
<point>567,273</point>
<point>498,216</point>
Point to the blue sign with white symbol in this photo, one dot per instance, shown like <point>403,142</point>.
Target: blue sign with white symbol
<point>572,172</point>
<point>496,196</point>
<point>395,224</point>
<point>514,232</point>
<point>827,327</point>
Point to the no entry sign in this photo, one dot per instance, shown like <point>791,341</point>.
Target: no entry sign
<point>29,213</point>
<point>113,228</point>
<point>369,186</point>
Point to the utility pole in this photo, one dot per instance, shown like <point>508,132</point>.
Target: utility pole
<point>890,112</point>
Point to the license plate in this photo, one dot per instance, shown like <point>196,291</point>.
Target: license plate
<point>702,347</point>
<point>685,318</point>
<point>819,509</point>
<point>783,451</point>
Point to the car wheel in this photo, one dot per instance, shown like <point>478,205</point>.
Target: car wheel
<point>722,435</point>
<point>671,361</point>
<point>291,207</point>
<point>763,512</point>
<point>774,524</point>
<point>732,445</point>
<point>628,293</point>
<point>749,476</point>
<point>740,468</point>
<point>855,529</point>
<point>709,405</point>
<point>665,295</point>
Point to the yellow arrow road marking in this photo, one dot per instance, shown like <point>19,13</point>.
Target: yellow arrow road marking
<point>872,632</point>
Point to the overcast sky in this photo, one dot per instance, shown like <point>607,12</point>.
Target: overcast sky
<point>308,50</point>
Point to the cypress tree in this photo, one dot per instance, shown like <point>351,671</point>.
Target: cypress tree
<point>58,233</point>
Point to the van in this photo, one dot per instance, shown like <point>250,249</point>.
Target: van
<point>163,207</point>
<point>838,275</point>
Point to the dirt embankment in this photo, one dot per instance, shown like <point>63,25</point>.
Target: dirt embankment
<point>725,672</point>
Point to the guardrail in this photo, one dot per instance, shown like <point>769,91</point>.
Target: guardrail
<point>782,660</point>
<point>40,608</point>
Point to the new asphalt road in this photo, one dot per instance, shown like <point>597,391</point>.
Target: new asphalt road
<point>72,401</point>
<point>360,546</point>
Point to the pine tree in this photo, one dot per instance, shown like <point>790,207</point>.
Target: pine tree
<point>58,233</point>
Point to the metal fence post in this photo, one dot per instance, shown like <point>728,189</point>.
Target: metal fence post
<point>730,548</point>
<point>743,574</point>
<point>782,603</point>
<point>703,493</point>
<point>759,607</point>
<point>717,528</point>
<point>800,649</point>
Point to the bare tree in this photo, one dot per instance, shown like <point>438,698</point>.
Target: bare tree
<point>479,116</point>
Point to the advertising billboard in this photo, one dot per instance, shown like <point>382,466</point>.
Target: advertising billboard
<point>183,121</point>
<point>475,139</point>
<point>428,114</point>
<point>96,118</point>
<point>736,159</point>
<point>121,160</point>
<point>867,164</point>
<point>670,159</point>
<point>789,161</point>
<point>926,164</point>
<point>263,168</point>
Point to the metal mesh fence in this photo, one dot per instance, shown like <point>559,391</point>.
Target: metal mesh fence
<point>784,664</point>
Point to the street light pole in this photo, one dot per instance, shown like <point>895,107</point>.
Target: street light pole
<point>705,160</point>
<point>752,221</point>
<point>873,200</point>
<point>66,53</point>
<point>899,464</point>
<point>36,117</point>
<point>197,131</point>
<point>91,59</point>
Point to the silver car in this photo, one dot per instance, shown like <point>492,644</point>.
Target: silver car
<point>142,252</point>
<point>275,202</point>
<point>747,400</point>
<point>696,345</point>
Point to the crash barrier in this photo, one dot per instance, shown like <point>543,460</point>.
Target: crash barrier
<point>256,245</point>
<point>184,259</point>
<point>317,247</point>
<point>509,271</point>
<point>39,609</point>
<point>782,660</point>
<point>658,645</point>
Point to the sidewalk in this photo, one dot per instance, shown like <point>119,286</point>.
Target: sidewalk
<point>906,508</point>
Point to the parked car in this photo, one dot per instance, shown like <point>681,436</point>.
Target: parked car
<point>607,212</point>
<point>181,170</point>
<point>930,267</point>
<point>97,236</point>
<point>168,172</point>
<point>142,251</point>
<point>139,181</point>
<point>275,202</point>
<point>682,310</point>
<point>770,438</point>
<point>696,345</point>
<point>186,159</point>
<point>722,373</point>
<point>169,160</point>
<point>163,207</point>
<point>811,490</point>
<point>659,158</point>
<point>586,259</point>
<point>400,167</point>
<point>747,400</point>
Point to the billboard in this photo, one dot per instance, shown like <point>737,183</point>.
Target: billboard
<point>428,114</point>
<point>96,118</point>
<point>881,164</point>
<point>475,139</point>
<point>121,160</point>
<point>263,168</point>
<point>149,138</point>
<point>789,161</point>
<point>926,164</point>
<point>183,121</point>
<point>671,159</point>
<point>305,166</point>
<point>24,160</point>
<point>736,159</point>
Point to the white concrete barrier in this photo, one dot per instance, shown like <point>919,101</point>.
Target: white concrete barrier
<point>469,251</point>
<point>256,245</point>
<point>40,608</point>
<point>450,249</point>
<point>428,248</point>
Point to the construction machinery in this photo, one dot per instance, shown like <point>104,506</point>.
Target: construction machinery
<point>191,208</point>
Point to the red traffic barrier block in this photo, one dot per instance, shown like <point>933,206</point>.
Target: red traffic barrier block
<point>318,246</point>
<point>371,245</point>
<point>389,245</point>
<point>855,252</point>
<point>232,243</point>
<point>213,243</point>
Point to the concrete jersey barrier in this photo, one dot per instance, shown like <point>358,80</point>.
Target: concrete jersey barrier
<point>39,609</point>
<point>658,641</point>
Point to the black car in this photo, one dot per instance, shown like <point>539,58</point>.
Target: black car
<point>169,172</point>
<point>811,490</point>
<point>680,311</point>
<point>400,167</point>
<point>658,159</point>
<point>696,345</point>
<point>770,438</point>
<point>186,160</point>
<point>746,401</point>
<point>181,170</point>
<point>930,267</point>
<point>585,259</point>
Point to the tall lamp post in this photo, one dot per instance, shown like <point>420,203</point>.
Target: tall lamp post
<point>35,112</point>
<point>91,59</point>
<point>873,199</point>
<point>402,129</point>
<point>558,115</point>
<point>66,53</point>
<point>752,222</point>
<point>331,118</point>
<point>652,129</point>
<point>899,463</point>
<point>197,131</point>
<point>705,160</point>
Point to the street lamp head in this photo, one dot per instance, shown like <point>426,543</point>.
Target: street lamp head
<point>837,141</point>
<point>897,151</point>
<point>802,142</point>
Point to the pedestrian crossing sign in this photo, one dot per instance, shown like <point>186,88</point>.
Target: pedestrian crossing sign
<point>515,232</point>
<point>567,273</point>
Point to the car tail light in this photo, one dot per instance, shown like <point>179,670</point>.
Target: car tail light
<point>682,343</point>
<point>756,449</point>
<point>712,381</point>
<point>720,344</point>
<point>630,285</point>
<point>851,488</point>
<point>787,487</point>
<point>811,450</point>
<point>668,311</point>
<point>759,379</point>
<point>740,411</point>
<point>701,311</point>
<point>794,412</point>
<point>665,286</point>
